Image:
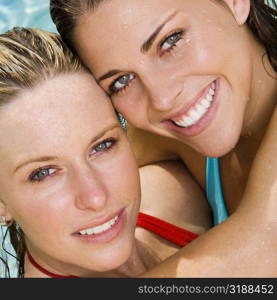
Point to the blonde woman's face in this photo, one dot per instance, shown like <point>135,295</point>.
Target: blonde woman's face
<point>68,176</point>
<point>180,69</point>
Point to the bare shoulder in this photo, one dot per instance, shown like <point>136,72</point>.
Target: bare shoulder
<point>170,192</point>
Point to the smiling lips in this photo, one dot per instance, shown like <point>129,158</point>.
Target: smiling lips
<point>100,228</point>
<point>199,109</point>
<point>103,231</point>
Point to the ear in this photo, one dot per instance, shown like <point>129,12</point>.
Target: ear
<point>240,9</point>
<point>4,212</point>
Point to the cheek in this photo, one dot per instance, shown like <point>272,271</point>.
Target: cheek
<point>225,55</point>
<point>40,211</point>
<point>130,174</point>
<point>206,55</point>
<point>121,175</point>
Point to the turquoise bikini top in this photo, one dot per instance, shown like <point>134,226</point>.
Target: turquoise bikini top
<point>214,190</point>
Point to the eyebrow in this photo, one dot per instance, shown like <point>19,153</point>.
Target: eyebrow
<point>107,75</point>
<point>103,132</point>
<point>144,48</point>
<point>149,42</point>
<point>33,160</point>
<point>49,158</point>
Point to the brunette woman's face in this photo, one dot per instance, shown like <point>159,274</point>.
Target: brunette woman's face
<point>68,176</point>
<point>180,69</point>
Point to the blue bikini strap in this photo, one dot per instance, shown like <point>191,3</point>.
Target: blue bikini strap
<point>214,190</point>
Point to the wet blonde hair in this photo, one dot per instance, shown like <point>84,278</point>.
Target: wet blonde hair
<point>27,57</point>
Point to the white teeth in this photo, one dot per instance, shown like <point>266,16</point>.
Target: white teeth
<point>201,109</point>
<point>211,92</point>
<point>100,228</point>
<point>183,123</point>
<point>197,112</point>
<point>194,115</point>
<point>187,121</point>
<point>209,97</point>
<point>206,103</point>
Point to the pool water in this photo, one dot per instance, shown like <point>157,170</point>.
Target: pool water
<point>27,13</point>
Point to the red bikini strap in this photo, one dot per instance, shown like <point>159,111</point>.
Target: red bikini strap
<point>168,231</point>
<point>41,269</point>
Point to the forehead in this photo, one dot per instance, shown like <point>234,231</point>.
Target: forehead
<point>112,20</point>
<point>58,110</point>
<point>116,29</point>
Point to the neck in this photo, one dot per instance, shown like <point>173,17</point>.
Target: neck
<point>262,100</point>
<point>138,262</point>
<point>260,107</point>
<point>259,110</point>
<point>141,259</point>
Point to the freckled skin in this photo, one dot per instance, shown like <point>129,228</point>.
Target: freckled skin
<point>59,120</point>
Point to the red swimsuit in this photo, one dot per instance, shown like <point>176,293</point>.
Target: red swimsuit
<point>177,235</point>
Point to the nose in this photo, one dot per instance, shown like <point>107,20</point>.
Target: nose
<point>162,90</point>
<point>90,190</point>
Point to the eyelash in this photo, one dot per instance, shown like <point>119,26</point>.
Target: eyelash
<point>178,34</point>
<point>36,173</point>
<point>113,91</point>
<point>109,144</point>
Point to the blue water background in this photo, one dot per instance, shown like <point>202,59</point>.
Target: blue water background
<point>27,13</point>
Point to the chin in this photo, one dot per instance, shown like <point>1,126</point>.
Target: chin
<point>219,147</point>
<point>114,259</point>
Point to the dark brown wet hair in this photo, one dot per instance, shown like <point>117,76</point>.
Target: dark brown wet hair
<point>262,21</point>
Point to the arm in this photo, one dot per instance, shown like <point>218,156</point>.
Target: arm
<point>245,245</point>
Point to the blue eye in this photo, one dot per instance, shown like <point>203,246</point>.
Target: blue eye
<point>170,42</point>
<point>104,146</point>
<point>41,174</point>
<point>121,83</point>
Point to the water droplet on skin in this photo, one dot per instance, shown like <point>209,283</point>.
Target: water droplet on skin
<point>188,41</point>
<point>250,121</point>
<point>247,134</point>
<point>125,26</point>
<point>180,55</point>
